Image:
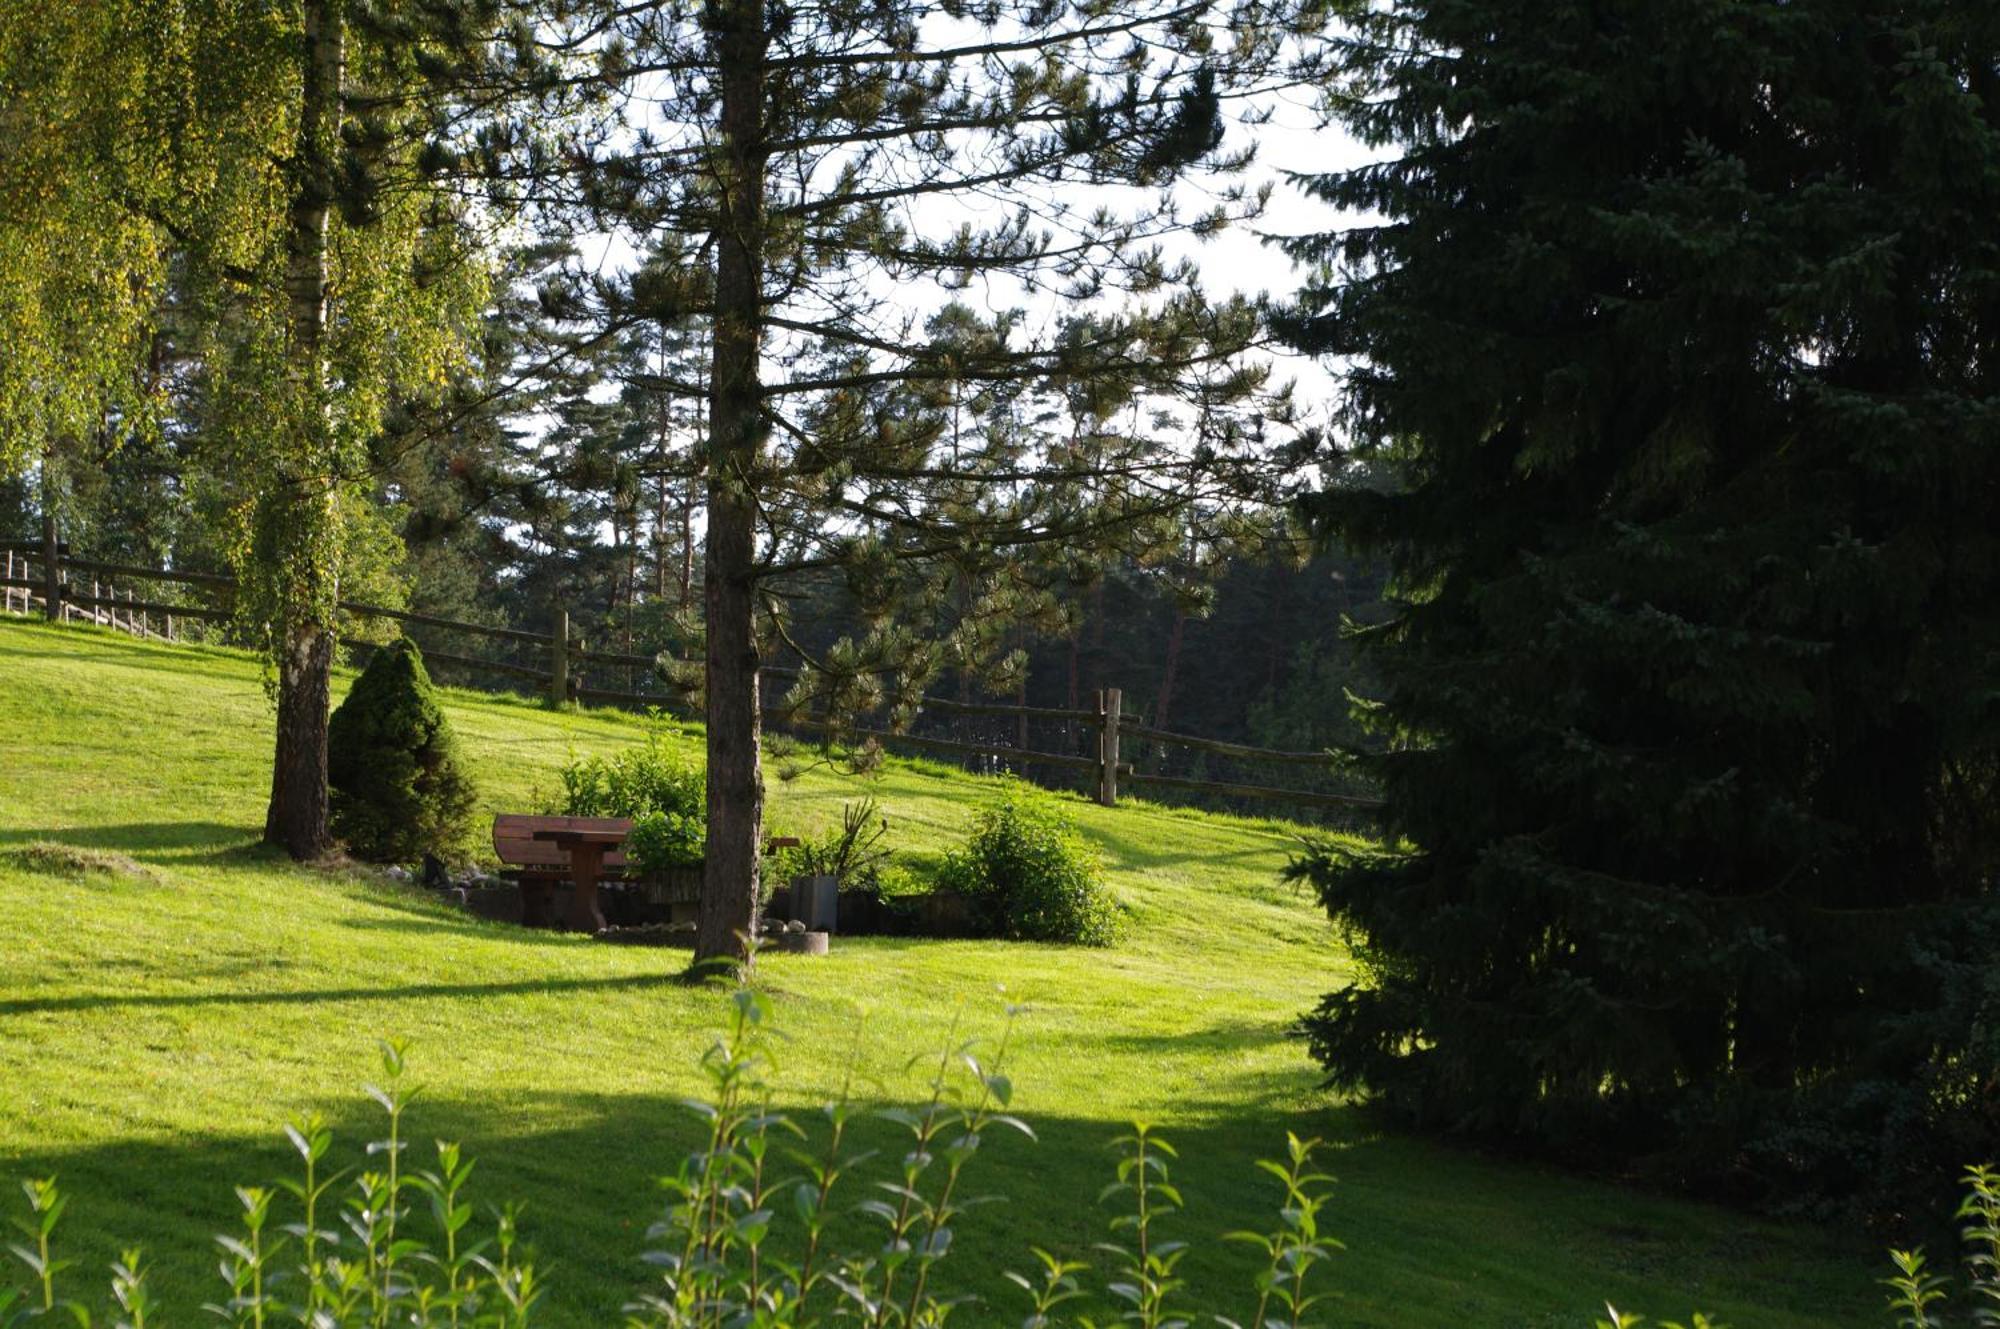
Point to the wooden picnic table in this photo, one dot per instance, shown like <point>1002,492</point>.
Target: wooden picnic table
<point>586,850</point>
<point>545,851</point>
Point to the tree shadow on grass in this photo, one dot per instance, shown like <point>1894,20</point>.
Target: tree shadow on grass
<point>447,921</point>
<point>1143,847</point>
<point>1225,1036</point>
<point>95,1001</point>
<point>1434,1236</point>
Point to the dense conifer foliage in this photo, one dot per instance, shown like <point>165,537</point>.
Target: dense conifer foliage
<point>1674,409</point>
<point>398,790</point>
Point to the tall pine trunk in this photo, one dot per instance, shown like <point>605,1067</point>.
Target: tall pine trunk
<point>689,490</point>
<point>296,818</point>
<point>1176,635</point>
<point>735,781</point>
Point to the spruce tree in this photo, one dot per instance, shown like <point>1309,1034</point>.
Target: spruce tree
<point>1674,406</point>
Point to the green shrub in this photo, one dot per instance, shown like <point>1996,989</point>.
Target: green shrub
<point>910,875</point>
<point>664,794</point>
<point>1031,876</point>
<point>396,790</point>
<point>661,840</point>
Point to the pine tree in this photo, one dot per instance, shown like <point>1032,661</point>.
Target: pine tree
<point>1674,409</point>
<point>805,182</point>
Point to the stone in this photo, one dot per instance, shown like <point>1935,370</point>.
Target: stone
<point>803,943</point>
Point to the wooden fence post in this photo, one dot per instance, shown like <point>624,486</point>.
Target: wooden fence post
<point>559,659</point>
<point>1108,703</point>
<point>52,605</point>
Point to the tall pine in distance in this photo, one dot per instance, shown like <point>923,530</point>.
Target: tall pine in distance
<point>1673,407</point>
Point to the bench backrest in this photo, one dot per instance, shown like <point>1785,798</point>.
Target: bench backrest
<point>514,839</point>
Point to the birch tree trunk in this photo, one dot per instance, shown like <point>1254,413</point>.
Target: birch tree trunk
<point>297,815</point>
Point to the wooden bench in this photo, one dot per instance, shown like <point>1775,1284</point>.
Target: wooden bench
<point>530,847</point>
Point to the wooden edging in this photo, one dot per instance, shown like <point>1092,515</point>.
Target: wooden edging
<point>351,606</point>
<point>1106,721</point>
<point>540,675</point>
<point>623,698</point>
<point>616,659</point>
<point>951,707</point>
<point>151,574</point>
<point>72,595</point>
<point>465,661</point>
<point>432,621</point>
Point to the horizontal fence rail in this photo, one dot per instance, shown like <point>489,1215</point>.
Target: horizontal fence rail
<point>557,679</point>
<point>1308,796</point>
<point>1070,760</point>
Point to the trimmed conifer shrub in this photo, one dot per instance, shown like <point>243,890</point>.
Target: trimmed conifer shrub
<point>396,790</point>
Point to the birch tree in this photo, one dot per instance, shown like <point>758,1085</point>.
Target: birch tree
<point>294,161</point>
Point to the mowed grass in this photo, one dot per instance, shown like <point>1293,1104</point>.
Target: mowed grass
<point>158,1025</point>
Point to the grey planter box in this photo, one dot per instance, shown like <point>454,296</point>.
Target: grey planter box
<point>816,903</point>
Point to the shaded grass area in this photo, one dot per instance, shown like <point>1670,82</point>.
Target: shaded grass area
<point>170,993</point>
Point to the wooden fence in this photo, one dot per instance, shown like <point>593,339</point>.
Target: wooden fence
<point>37,580</point>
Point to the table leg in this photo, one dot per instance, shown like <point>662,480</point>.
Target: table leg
<point>586,862</point>
<point>537,904</point>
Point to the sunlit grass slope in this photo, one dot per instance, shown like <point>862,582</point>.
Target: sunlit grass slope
<point>158,1026</point>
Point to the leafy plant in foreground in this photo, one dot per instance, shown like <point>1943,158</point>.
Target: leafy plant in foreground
<point>753,1234</point>
<point>347,1257</point>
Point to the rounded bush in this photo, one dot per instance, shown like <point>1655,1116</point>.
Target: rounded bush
<point>395,788</point>
<point>663,840</point>
<point>664,794</point>
<point>1031,877</point>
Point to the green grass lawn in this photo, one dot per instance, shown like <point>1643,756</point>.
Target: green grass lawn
<point>157,1028</point>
